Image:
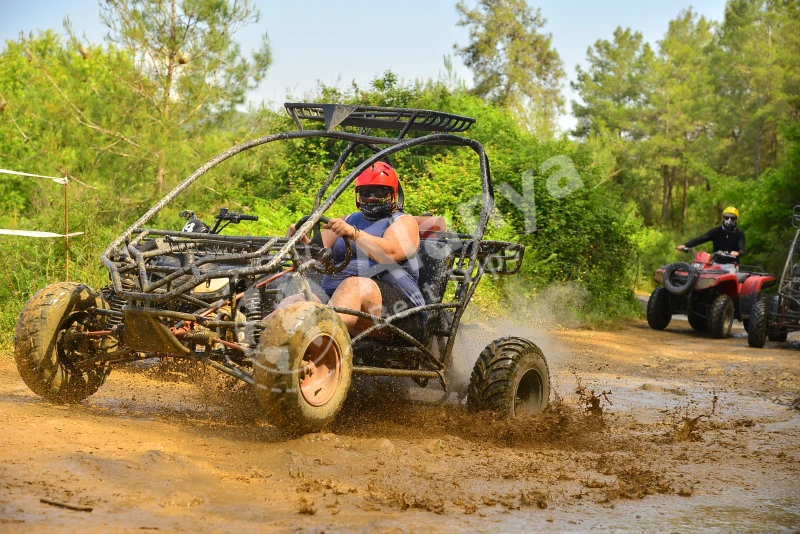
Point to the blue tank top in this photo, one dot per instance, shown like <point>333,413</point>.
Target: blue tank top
<point>402,275</point>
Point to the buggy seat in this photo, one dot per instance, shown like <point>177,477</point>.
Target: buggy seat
<point>435,258</point>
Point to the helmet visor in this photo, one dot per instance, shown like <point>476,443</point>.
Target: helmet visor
<point>375,194</point>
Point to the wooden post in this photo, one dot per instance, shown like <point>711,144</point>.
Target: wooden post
<point>66,227</point>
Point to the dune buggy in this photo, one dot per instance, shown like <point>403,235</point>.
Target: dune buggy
<point>209,298</point>
<point>774,317</point>
<point>710,296</point>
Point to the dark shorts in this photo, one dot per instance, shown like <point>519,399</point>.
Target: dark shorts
<point>394,301</point>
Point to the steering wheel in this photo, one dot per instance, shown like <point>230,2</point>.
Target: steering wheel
<point>325,255</point>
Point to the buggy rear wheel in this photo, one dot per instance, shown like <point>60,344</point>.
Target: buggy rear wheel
<point>43,351</point>
<point>511,378</point>
<point>659,313</point>
<point>303,367</point>
<point>776,334</point>
<point>720,316</point>
<point>759,322</point>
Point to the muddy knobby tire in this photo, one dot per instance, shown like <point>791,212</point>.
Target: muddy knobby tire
<point>659,313</point>
<point>759,323</point>
<point>775,334</point>
<point>510,378</point>
<point>720,316</point>
<point>293,336</point>
<point>43,364</point>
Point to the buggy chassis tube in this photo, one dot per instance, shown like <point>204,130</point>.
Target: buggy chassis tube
<point>396,146</point>
<point>468,275</point>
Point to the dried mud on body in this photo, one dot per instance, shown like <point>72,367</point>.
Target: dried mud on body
<point>636,441</point>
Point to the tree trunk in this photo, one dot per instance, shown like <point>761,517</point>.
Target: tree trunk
<point>757,155</point>
<point>160,179</point>
<point>666,195</point>
<point>685,198</point>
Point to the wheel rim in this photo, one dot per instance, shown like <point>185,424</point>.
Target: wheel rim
<point>728,318</point>
<point>528,396</point>
<point>321,369</point>
<point>71,353</point>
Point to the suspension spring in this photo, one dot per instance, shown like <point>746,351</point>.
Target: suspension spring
<point>116,302</point>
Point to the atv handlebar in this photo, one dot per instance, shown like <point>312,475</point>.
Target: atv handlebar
<point>234,216</point>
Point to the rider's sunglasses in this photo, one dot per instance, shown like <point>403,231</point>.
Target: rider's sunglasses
<point>375,191</point>
<point>729,217</point>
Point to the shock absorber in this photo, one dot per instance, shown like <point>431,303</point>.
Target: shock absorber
<point>117,302</point>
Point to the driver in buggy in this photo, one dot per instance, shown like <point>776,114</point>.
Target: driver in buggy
<point>727,239</point>
<point>381,279</point>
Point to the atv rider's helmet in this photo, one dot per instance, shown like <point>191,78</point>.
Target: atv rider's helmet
<point>730,216</point>
<point>377,191</point>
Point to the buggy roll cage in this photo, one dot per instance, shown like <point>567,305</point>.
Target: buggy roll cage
<point>789,288</point>
<point>267,255</point>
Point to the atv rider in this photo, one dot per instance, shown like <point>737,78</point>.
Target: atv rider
<point>726,238</point>
<point>381,279</point>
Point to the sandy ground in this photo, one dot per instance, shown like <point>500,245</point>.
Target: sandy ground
<point>636,442</point>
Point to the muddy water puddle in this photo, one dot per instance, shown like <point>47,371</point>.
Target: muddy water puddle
<point>152,450</point>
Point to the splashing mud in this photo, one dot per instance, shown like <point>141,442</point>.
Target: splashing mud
<point>153,450</point>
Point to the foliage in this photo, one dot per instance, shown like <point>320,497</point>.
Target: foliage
<point>708,119</point>
<point>514,64</point>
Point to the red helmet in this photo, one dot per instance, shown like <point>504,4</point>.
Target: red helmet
<point>379,173</point>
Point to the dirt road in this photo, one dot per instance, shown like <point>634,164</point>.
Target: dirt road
<point>654,451</point>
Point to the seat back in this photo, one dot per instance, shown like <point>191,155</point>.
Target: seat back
<point>435,258</point>
<point>429,225</point>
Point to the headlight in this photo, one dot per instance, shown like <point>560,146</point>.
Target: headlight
<point>211,286</point>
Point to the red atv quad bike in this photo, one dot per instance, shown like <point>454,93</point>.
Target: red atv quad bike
<point>711,297</point>
<point>774,317</point>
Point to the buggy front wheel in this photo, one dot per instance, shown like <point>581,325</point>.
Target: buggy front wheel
<point>303,367</point>
<point>510,378</point>
<point>47,350</point>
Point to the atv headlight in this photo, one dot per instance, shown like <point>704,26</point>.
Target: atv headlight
<point>705,283</point>
<point>212,285</point>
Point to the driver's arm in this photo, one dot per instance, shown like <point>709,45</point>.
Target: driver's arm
<point>705,238</point>
<point>399,242</point>
<point>741,244</point>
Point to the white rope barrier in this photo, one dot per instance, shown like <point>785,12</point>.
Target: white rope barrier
<point>62,181</point>
<point>35,233</point>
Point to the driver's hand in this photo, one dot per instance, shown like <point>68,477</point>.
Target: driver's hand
<point>341,228</point>
<point>735,254</point>
<point>292,230</point>
<point>681,248</point>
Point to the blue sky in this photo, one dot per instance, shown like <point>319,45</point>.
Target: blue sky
<point>345,40</point>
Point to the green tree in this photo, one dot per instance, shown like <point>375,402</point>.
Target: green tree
<point>753,73</point>
<point>680,107</point>
<point>189,68</point>
<point>615,93</point>
<point>513,62</point>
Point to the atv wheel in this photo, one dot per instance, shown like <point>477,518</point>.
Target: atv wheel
<point>303,367</point>
<point>759,319</point>
<point>675,287</point>
<point>720,316</point>
<point>659,313</point>
<point>43,355</point>
<point>510,378</point>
